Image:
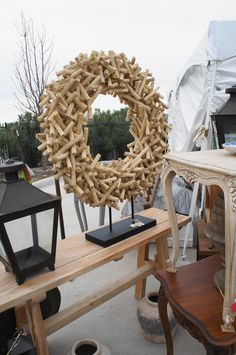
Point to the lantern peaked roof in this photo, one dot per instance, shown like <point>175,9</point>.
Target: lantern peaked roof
<point>21,196</point>
<point>229,108</point>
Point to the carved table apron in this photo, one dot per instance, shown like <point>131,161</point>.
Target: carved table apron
<point>210,167</point>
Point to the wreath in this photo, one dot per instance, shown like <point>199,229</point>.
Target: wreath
<point>66,105</point>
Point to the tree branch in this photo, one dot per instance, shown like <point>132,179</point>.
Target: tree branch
<point>32,66</point>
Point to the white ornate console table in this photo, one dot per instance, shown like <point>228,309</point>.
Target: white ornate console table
<point>211,167</point>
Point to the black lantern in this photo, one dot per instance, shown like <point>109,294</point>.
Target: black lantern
<point>225,119</point>
<point>28,225</point>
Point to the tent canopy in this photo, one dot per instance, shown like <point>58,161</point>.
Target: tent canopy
<point>199,89</point>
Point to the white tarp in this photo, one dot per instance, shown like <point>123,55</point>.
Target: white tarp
<point>199,89</point>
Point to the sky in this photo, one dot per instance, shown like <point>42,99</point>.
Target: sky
<point>162,35</point>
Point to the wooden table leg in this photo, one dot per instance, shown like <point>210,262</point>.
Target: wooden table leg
<point>167,178</point>
<point>162,253</point>
<point>140,287</point>
<point>36,326</point>
<point>162,307</point>
<point>230,259</point>
<point>20,314</point>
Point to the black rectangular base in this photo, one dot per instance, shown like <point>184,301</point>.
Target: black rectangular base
<point>120,230</point>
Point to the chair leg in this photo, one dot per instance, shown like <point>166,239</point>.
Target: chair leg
<point>162,307</point>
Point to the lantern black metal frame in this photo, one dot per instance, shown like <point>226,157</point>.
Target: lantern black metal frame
<point>33,258</point>
<point>224,119</point>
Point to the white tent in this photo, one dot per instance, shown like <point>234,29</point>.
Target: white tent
<point>200,87</point>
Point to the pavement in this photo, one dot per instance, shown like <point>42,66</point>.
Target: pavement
<point>114,323</point>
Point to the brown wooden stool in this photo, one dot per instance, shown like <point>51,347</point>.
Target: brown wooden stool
<point>196,304</point>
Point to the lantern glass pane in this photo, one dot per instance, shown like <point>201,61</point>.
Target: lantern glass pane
<point>19,233</point>
<point>32,230</point>
<point>229,127</point>
<point>226,129</point>
<point>45,229</point>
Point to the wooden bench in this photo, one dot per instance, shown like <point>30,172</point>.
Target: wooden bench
<point>75,257</point>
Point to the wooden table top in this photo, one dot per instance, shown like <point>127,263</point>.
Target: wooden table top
<point>192,293</point>
<point>76,256</point>
<point>218,160</point>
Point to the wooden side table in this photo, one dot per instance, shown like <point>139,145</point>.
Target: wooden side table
<point>212,167</point>
<point>196,304</point>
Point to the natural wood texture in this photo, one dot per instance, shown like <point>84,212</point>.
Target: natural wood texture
<point>75,257</point>
<point>143,254</point>
<point>20,315</point>
<point>162,253</point>
<point>196,304</point>
<point>75,311</point>
<point>35,323</point>
<point>162,307</point>
<point>20,312</point>
<point>210,167</point>
<point>144,251</point>
<point>67,111</point>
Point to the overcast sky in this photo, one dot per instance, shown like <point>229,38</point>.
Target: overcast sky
<point>160,34</point>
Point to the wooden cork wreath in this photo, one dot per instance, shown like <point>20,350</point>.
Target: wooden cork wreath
<point>64,139</point>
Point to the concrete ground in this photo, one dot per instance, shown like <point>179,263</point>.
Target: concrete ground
<point>114,323</point>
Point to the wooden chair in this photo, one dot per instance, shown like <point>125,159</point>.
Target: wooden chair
<point>196,304</point>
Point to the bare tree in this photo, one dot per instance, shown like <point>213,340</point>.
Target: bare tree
<point>32,65</point>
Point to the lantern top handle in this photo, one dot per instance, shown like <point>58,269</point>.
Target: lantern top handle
<point>10,169</point>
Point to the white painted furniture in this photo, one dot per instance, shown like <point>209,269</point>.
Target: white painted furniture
<point>210,167</point>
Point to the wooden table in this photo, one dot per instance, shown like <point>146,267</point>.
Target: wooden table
<point>196,304</point>
<point>212,167</point>
<point>75,257</point>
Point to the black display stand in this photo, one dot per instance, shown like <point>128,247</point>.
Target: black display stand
<point>116,232</point>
